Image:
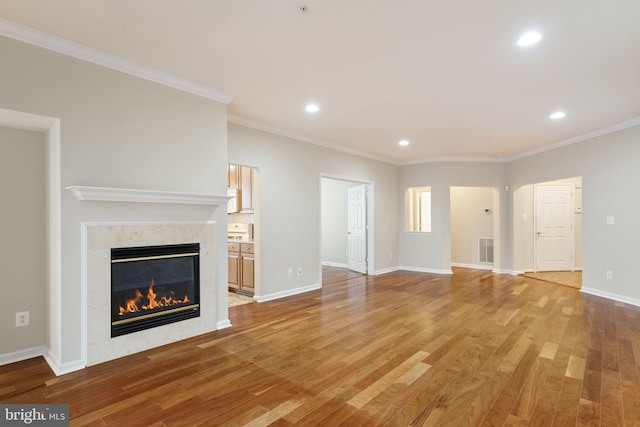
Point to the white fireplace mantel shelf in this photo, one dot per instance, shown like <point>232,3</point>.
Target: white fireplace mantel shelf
<point>105,194</point>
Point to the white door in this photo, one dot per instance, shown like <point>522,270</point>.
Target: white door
<point>554,227</point>
<point>357,228</point>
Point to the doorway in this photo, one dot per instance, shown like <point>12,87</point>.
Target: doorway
<point>474,221</point>
<point>345,228</point>
<point>52,350</point>
<point>243,223</point>
<point>551,232</point>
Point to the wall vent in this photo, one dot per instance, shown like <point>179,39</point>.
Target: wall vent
<point>485,248</point>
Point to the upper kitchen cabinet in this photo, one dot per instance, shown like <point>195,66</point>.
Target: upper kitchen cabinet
<point>233,176</point>
<point>241,177</point>
<point>246,185</point>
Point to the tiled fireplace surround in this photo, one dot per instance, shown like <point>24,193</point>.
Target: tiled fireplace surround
<point>98,239</point>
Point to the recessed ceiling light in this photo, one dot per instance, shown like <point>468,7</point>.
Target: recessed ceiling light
<point>529,38</point>
<point>312,108</point>
<point>558,115</point>
<point>403,142</point>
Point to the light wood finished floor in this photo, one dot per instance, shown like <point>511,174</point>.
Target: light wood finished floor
<point>566,278</point>
<point>237,299</point>
<point>400,349</point>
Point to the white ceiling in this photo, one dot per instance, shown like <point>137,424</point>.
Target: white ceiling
<point>446,75</point>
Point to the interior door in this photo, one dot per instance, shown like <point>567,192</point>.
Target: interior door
<point>357,247</point>
<point>554,227</point>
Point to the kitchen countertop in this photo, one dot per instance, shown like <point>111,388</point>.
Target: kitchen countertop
<point>240,241</point>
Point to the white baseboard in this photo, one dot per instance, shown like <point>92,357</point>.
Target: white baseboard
<point>474,266</point>
<point>425,270</point>
<point>334,264</point>
<point>64,368</point>
<point>386,270</point>
<point>287,293</point>
<point>30,353</point>
<point>222,324</point>
<point>610,295</point>
<point>20,355</point>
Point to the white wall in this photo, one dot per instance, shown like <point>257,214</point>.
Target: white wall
<point>116,131</point>
<point>469,223</point>
<point>290,172</point>
<point>22,238</point>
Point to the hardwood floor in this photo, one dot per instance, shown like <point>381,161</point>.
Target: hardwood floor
<point>566,278</point>
<point>400,349</point>
<point>336,274</point>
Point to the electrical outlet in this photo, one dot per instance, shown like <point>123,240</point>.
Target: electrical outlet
<point>299,271</point>
<point>609,274</point>
<point>291,272</point>
<point>611,220</point>
<point>22,318</point>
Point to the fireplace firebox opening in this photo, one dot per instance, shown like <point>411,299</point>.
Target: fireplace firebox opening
<point>153,286</point>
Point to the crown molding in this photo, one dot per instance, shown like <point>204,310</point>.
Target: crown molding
<point>283,132</point>
<point>454,159</point>
<point>78,51</point>
<point>105,194</point>
<point>580,138</point>
<point>634,121</point>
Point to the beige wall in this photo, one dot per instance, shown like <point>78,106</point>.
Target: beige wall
<point>289,220</point>
<point>431,252</point>
<point>469,223</point>
<point>334,221</point>
<point>524,223</point>
<point>609,171</point>
<point>22,238</point>
<point>116,131</point>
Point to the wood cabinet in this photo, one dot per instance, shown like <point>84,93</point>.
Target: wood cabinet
<point>241,177</point>
<point>233,176</point>
<point>241,268</point>
<point>246,189</point>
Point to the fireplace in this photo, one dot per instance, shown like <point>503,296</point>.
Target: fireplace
<point>153,286</point>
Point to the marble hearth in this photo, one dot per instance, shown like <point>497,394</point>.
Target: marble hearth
<point>98,239</point>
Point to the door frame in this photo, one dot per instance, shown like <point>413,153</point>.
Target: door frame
<point>370,188</point>
<point>52,351</point>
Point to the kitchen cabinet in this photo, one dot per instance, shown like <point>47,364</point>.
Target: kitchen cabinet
<point>246,189</point>
<point>241,178</point>
<point>233,176</point>
<point>241,268</point>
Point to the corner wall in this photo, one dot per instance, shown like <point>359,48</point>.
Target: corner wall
<point>290,172</point>
<point>431,252</point>
<point>116,130</point>
<point>608,165</point>
<point>22,238</point>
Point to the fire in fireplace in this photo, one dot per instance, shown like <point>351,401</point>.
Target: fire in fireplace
<point>153,286</point>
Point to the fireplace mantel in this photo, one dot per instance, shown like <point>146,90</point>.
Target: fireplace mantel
<point>106,194</point>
